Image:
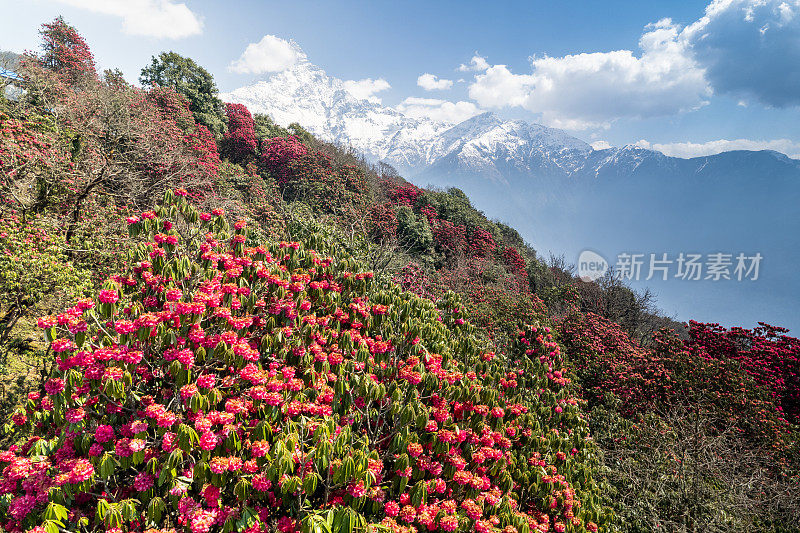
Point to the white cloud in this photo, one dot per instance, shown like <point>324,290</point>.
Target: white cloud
<point>438,110</point>
<point>498,87</point>
<point>594,89</point>
<point>476,64</point>
<point>430,82</point>
<point>750,48</point>
<point>270,54</point>
<point>689,149</point>
<point>600,145</point>
<point>148,18</point>
<point>365,89</point>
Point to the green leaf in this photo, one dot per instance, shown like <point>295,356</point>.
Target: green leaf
<point>242,489</point>
<point>53,511</point>
<point>155,510</point>
<point>51,526</point>
<point>102,509</point>
<point>310,483</point>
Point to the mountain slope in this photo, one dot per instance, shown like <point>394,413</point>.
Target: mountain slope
<point>565,196</point>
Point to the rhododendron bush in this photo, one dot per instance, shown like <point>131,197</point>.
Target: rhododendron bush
<point>745,378</point>
<point>313,177</point>
<point>765,353</point>
<point>28,161</point>
<point>239,143</point>
<point>219,387</point>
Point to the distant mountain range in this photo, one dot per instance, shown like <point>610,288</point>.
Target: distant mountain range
<point>483,145</point>
<point>564,196</point>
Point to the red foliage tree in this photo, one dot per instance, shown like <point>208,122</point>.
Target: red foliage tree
<point>406,195</point>
<point>516,264</point>
<point>451,239</point>
<point>481,243</point>
<point>204,147</point>
<point>239,144</point>
<point>278,152</point>
<point>383,222</point>
<point>66,52</point>
<point>673,373</point>
<point>174,111</point>
<point>30,162</point>
<point>174,107</point>
<point>769,356</point>
<point>313,177</point>
<point>430,213</point>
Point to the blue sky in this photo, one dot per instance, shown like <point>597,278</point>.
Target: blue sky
<point>620,72</point>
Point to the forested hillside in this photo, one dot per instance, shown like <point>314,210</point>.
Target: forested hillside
<point>209,322</point>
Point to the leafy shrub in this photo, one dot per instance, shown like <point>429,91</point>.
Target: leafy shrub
<point>33,267</point>
<point>265,128</point>
<point>414,232</point>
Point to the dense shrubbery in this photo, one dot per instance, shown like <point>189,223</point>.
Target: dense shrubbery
<point>213,384</point>
<point>313,177</point>
<point>33,266</point>
<point>704,370</point>
<point>726,455</point>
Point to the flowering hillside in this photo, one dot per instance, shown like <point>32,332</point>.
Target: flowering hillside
<point>212,323</point>
<point>218,385</point>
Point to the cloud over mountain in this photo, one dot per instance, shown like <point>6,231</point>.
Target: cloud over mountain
<point>367,88</point>
<point>438,110</point>
<point>750,49</point>
<point>690,149</point>
<point>270,54</point>
<point>594,89</point>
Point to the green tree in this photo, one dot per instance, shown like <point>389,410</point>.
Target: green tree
<point>266,128</point>
<point>188,78</point>
<point>301,133</point>
<point>415,232</point>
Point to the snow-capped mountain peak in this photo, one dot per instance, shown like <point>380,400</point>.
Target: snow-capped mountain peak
<point>307,95</point>
<point>320,103</point>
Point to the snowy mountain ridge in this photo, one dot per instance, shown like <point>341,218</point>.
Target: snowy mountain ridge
<point>307,95</point>
<point>483,146</point>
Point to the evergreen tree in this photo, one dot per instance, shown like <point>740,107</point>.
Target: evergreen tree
<point>188,78</point>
